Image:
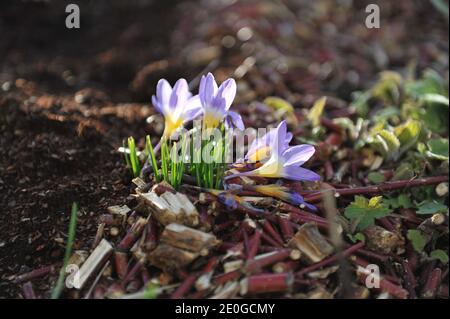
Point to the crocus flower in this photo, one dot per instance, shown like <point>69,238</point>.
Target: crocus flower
<point>284,163</point>
<point>176,104</point>
<point>216,102</point>
<point>283,193</point>
<point>259,150</point>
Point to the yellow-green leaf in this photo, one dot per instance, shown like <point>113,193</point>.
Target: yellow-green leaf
<point>375,201</point>
<point>408,132</point>
<point>316,111</point>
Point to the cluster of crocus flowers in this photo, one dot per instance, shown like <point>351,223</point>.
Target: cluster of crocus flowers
<point>276,159</point>
<point>283,161</point>
<point>178,105</point>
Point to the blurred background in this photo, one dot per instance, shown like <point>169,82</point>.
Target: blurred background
<point>69,96</point>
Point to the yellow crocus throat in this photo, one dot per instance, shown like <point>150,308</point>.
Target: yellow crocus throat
<point>171,125</point>
<point>210,120</point>
<point>272,168</point>
<point>261,153</point>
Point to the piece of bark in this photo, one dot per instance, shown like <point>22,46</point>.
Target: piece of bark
<point>169,258</point>
<point>99,256</point>
<point>119,212</point>
<point>311,243</point>
<point>171,208</point>
<point>383,241</point>
<point>187,238</point>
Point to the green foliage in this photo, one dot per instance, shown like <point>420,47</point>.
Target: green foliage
<point>150,154</point>
<point>356,237</point>
<point>440,255</point>
<point>376,177</point>
<point>70,239</point>
<point>438,149</point>
<point>151,291</point>
<point>410,116</point>
<point>365,211</point>
<point>431,207</point>
<point>401,201</point>
<point>132,158</point>
<point>315,113</point>
<point>417,239</point>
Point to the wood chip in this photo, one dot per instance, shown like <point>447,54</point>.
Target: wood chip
<point>187,238</point>
<point>171,208</point>
<point>98,257</point>
<point>311,243</point>
<point>169,258</point>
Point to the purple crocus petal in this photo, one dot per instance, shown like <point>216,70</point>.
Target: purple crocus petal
<point>228,200</point>
<point>295,198</point>
<point>225,95</point>
<point>193,109</point>
<point>180,94</point>
<point>298,155</point>
<point>310,207</point>
<point>299,174</point>
<point>208,89</point>
<point>289,137</point>
<point>156,105</point>
<point>163,92</point>
<point>236,120</point>
<point>277,142</point>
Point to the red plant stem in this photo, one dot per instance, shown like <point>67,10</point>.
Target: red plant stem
<point>410,216</point>
<point>329,124</point>
<point>286,228</point>
<point>228,276</point>
<point>269,229</point>
<point>224,226</point>
<point>37,273</point>
<point>386,223</point>
<point>131,236</point>
<point>329,172</point>
<point>184,287</point>
<point>28,291</point>
<point>300,219</point>
<point>410,279</point>
<point>246,241</point>
<point>443,291</point>
<point>427,269</point>
<point>329,260</point>
<point>268,249</point>
<point>293,209</point>
<point>385,283</point>
<point>121,263</point>
<point>133,272</point>
<point>373,255</point>
<point>285,266</point>
<point>151,236</point>
<point>145,276</point>
<point>258,264</point>
<point>382,188</point>
<point>269,240</point>
<point>431,286</point>
<point>266,283</point>
<point>254,244</point>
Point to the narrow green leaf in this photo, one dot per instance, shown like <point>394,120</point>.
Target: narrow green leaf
<point>70,239</point>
